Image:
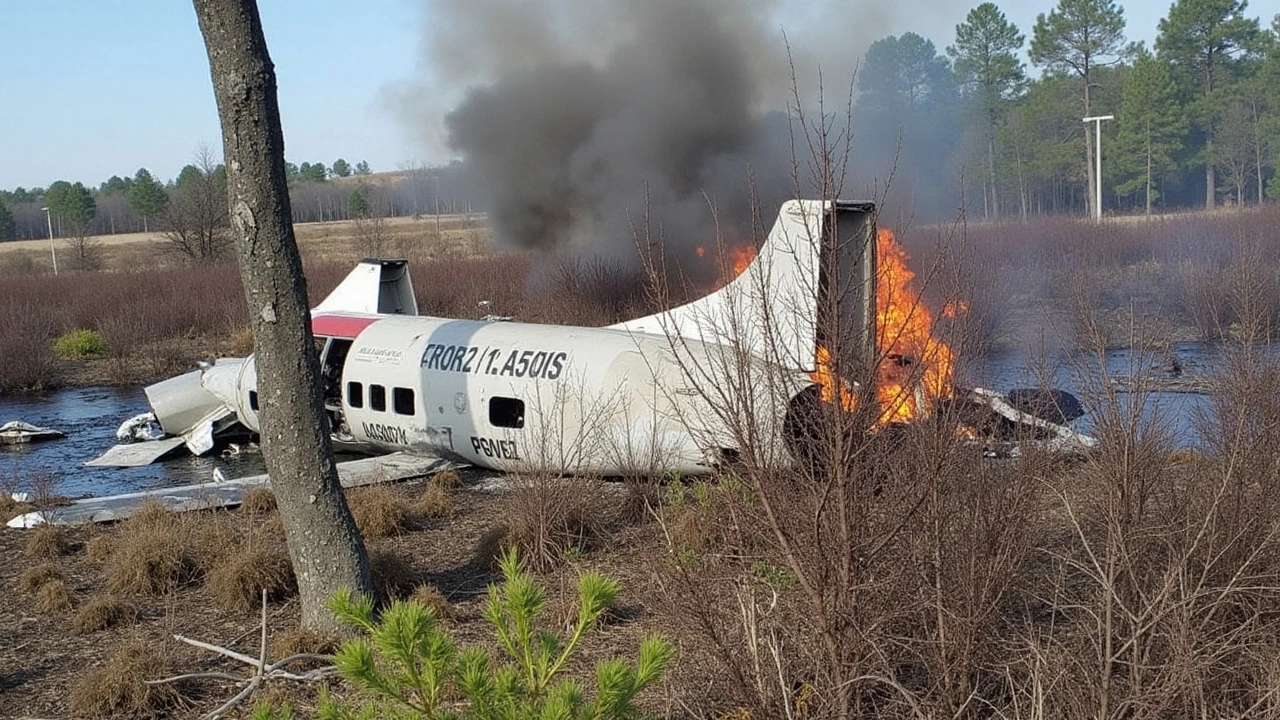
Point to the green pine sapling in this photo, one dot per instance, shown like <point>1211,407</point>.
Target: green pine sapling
<point>414,669</point>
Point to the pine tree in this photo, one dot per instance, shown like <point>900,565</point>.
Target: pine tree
<point>1201,40</point>
<point>1075,39</point>
<point>1152,127</point>
<point>987,66</point>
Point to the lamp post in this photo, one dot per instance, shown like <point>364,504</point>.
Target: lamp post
<point>1097,156</point>
<point>52,252</point>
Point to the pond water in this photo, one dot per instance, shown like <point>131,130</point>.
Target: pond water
<point>90,416</point>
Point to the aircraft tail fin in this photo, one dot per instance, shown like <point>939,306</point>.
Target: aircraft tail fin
<point>812,277</point>
<point>374,286</point>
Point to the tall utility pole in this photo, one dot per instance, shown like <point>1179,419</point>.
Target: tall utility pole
<point>1097,158</point>
<point>52,251</point>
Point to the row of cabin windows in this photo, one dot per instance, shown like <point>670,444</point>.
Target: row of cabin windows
<point>503,411</point>
<point>401,398</point>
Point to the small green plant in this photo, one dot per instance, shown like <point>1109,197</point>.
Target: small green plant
<point>414,669</point>
<point>79,343</point>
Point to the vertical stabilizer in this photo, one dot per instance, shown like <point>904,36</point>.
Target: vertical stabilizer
<point>817,255</point>
<point>374,286</point>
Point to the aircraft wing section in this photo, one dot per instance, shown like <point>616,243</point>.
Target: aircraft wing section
<point>136,454</point>
<point>216,494</point>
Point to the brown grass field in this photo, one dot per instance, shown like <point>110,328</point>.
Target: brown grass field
<point>900,576</point>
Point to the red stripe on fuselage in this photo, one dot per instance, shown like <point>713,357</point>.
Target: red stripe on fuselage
<point>341,326</point>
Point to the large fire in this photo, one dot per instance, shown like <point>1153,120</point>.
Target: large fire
<point>915,369</point>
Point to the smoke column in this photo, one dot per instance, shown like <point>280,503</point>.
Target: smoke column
<point>582,119</point>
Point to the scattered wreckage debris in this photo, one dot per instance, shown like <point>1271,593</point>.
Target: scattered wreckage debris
<point>17,432</point>
<point>1006,425</point>
<point>226,492</point>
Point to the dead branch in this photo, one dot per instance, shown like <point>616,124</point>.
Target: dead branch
<point>262,670</point>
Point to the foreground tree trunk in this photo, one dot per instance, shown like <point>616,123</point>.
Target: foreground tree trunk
<point>324,544</point>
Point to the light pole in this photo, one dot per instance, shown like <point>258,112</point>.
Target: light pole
<point>1097,156</point>
<point>52,252</point>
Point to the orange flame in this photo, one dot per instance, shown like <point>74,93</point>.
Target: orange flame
<point>742,257</point>
<point>915,369</point>
<point>735,261</point>
<point>954,308</point>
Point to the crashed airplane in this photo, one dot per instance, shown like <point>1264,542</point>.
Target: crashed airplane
<point>643,396</point>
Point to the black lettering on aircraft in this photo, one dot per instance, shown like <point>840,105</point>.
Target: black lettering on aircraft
<point>385,433</point>
<point>497,449</point>
<point>474,360</point>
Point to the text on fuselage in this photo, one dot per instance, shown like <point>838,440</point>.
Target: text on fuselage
<point>537,364</point>
<point>496,449</point>
<point>385,433</point>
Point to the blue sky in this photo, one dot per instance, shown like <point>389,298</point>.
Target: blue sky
<point>94,88</point>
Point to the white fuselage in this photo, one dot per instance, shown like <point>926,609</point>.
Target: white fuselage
<point>513,396</point>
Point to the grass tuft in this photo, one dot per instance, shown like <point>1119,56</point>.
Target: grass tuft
<point>301,640</point>
<point>152,554</point>
<point>118,687</point>
<point>103,612</point>
<point>98,549</point>
<point>380,512</point>
<point>47,541</point>
<point>393,578</point>
<point>446,480</point>
<point>54,597</point>
<point>430,597</point>
<point>434,503</point>
<point>258,501</point>
<point>239,577</point>
<point>33,578</point>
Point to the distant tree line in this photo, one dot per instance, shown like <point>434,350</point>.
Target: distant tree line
<point>1197,117</point>
<point>190,210</point>
<point>1197,124</point>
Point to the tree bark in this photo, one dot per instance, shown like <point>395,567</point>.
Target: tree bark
<point>324,544</point>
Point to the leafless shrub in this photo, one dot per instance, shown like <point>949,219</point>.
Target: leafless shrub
<point>119,687</point>
<point>102,612</point>
<point>547,516</point>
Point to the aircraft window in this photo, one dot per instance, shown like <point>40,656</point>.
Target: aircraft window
<point>253,400</point>
<point>378,398</point>
<point>506,412</point>
<point>355,394</point>
<point>402,400</point>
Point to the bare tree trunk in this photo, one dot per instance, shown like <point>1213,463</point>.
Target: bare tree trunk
<point>1148,180</point>
<point>324,544</point>
<point>1209,180</point>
